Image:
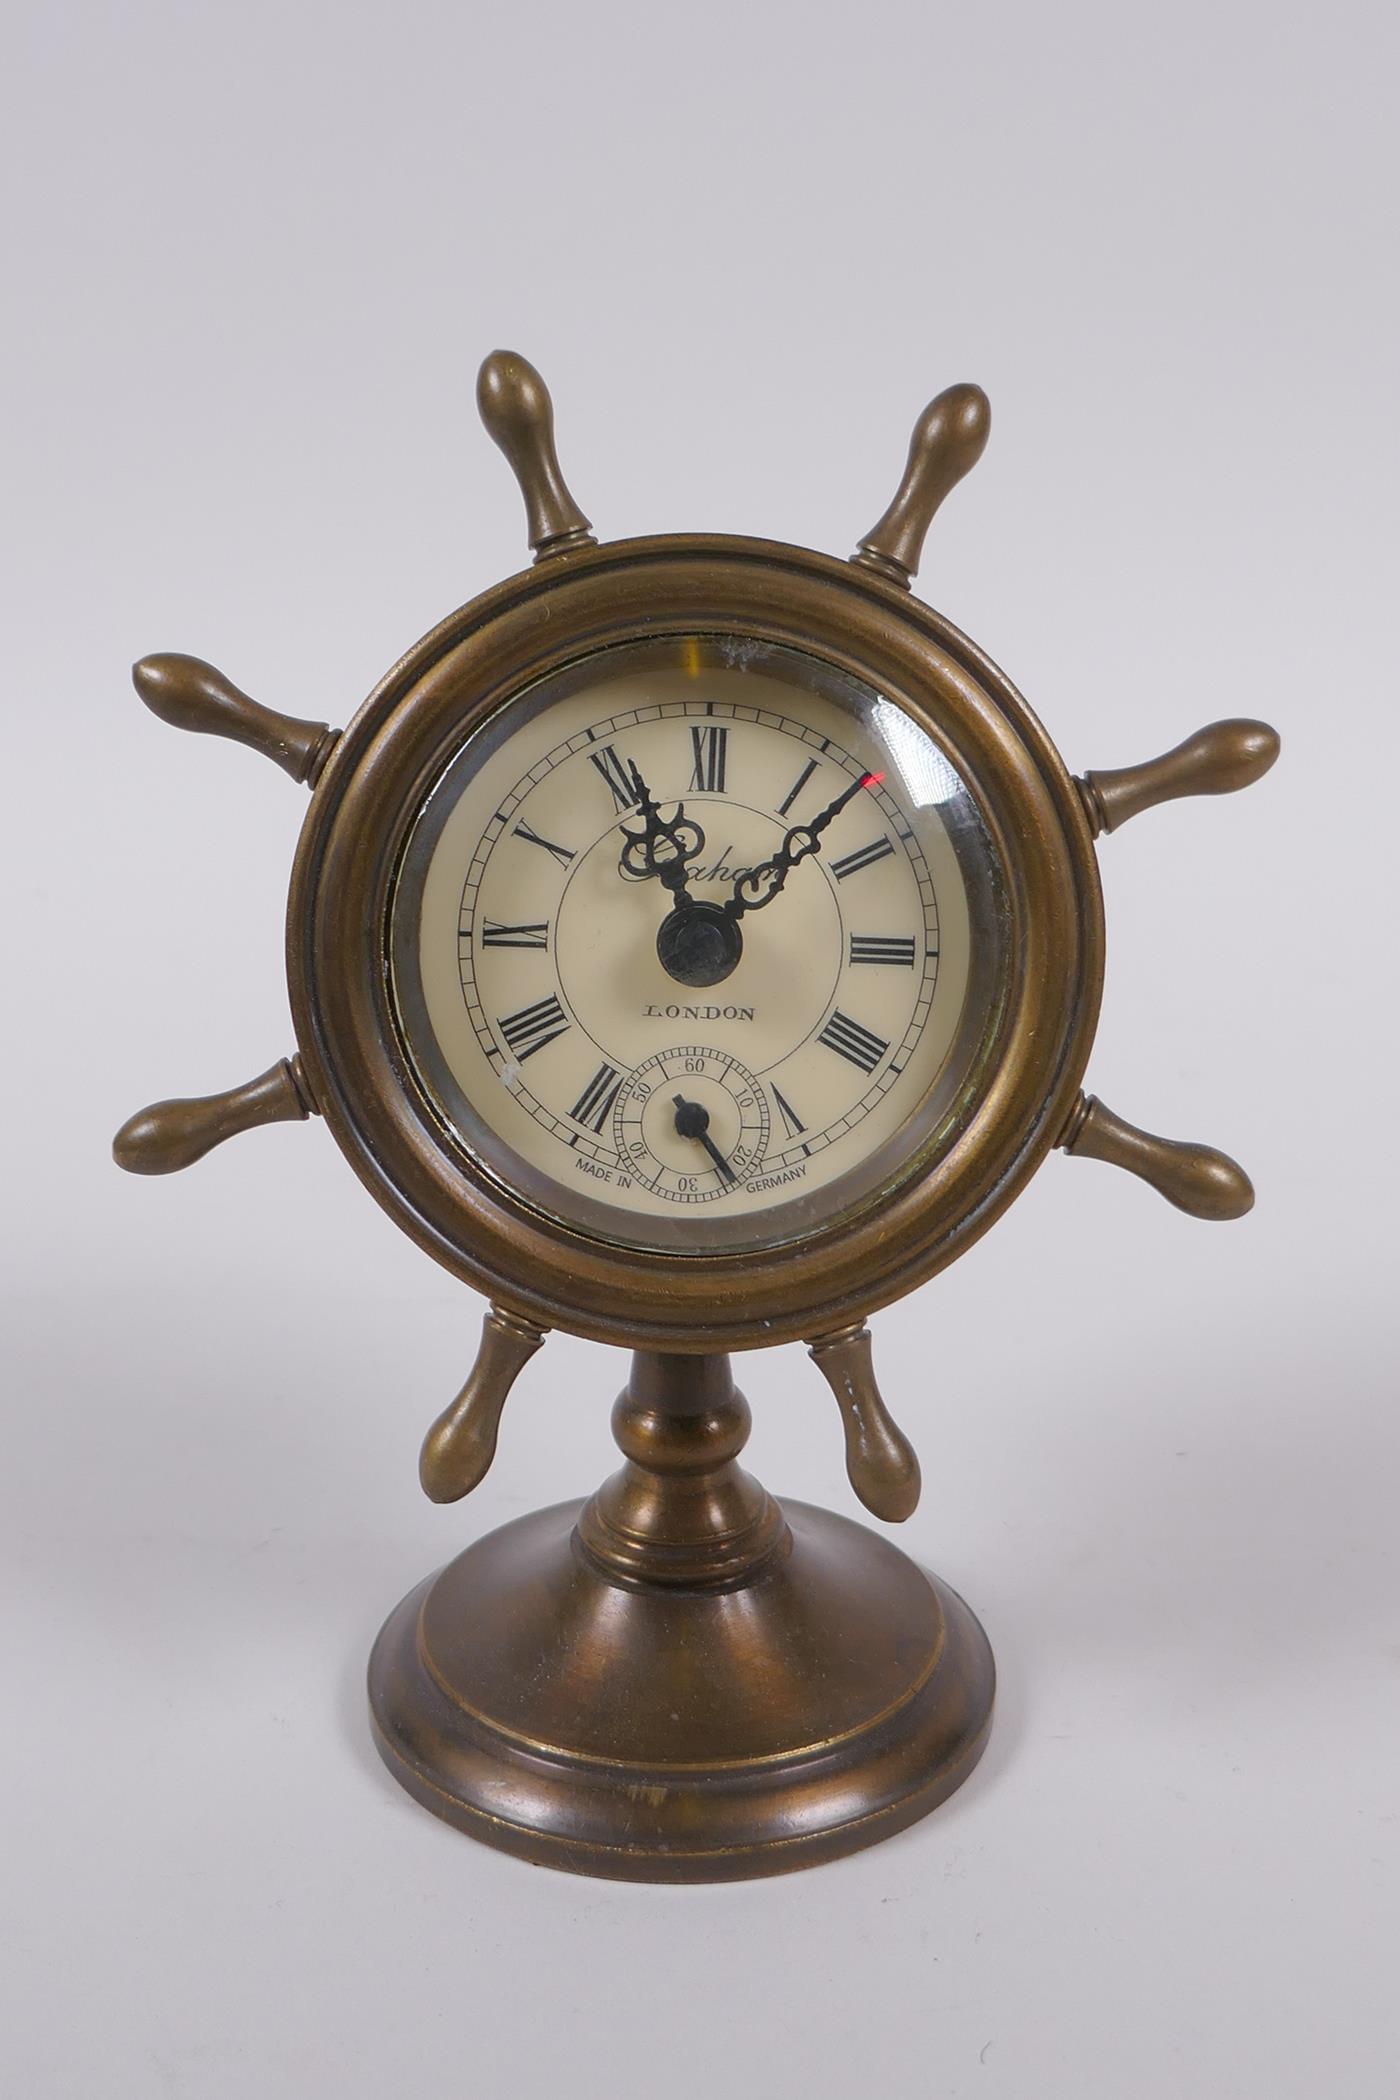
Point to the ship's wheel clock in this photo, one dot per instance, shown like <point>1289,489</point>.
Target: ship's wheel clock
<point>694,943</point>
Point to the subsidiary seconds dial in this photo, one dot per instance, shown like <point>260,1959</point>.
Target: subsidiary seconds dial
<point>691,1124</point>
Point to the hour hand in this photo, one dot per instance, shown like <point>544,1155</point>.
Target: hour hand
<point>663,846</point>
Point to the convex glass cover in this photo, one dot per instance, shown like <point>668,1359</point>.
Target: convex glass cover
<point>697,941</point>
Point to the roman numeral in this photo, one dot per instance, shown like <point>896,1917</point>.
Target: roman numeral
<point>617,776</point>
<point>494,935</point>
<point>883,948</point>
<point>863,857</point>
<point>594,1104</point>
<point>848,1039</point>
<point>561,853</point>
<point>533,1027</point>
<point>797,786</point>
<point>791,1119</point>
<point>710,748</point>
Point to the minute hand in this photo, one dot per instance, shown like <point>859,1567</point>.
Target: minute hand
<point>760,885</point>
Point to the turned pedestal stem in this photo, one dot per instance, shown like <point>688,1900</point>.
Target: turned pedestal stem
<point>681,1510</point>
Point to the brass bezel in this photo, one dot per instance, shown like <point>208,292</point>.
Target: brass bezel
<point>383,768</point>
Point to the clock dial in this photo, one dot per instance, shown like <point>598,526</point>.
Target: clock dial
<point>697,943</point>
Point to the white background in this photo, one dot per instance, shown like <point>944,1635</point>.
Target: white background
<point>255,254</point>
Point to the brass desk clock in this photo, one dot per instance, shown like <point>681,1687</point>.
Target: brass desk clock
<point>693,943</point>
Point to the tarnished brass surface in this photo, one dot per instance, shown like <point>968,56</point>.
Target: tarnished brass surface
<point>170,1135</point>
<point>860,617</point>
<point>519,415</point>
<point>1220,759</point>
<point>949,439</point>
<point>190,694</point>
<point>679,1681</point>
<point>1196,1178</point>
<point>881,1463</point>
<point>458,1449</point>
<point>453,681</point>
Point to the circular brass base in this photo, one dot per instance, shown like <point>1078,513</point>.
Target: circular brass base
<point>668,1733</point>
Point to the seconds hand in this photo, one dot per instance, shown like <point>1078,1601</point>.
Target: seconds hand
<point>693,1121</point>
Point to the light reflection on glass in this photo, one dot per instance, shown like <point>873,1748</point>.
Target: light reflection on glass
<point>927,777</point>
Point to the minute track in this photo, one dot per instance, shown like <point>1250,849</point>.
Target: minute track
<point>785,759</point>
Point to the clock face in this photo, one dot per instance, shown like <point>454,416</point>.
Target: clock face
<point>697,944</point>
